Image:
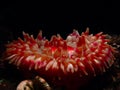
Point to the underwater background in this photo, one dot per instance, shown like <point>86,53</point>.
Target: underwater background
<point>53,18</point>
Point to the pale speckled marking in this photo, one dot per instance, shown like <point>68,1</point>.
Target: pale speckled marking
<point>10,57</point>
<point>13,59</point>
<point>55,65</point>
<point>31,66</point>
<point>83,70</point>
<point>42,64</point>
<point>70,53</point>
<point>91,66</point>
<point>103,66</point>
<point>62,67</point>
<point>38,59</point>
<point>105,63</point>
<point>49,65</point>
<point>70,68</point>
<point>76,68</point>
<point>109,61</point>
<point>98,64</point>
<point>69,38</point>
<point>19,61</point>
<point>36,65</point>
<point>30,58</point>
<point>106,50</point>
<point>97,61</point>
<point>27,47</point>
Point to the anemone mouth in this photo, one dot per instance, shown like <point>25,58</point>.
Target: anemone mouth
<point>83,54</point>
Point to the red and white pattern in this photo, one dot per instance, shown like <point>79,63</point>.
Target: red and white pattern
<point>84,54</point>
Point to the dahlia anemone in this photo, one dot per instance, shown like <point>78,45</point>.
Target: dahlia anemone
<point>62,62</point>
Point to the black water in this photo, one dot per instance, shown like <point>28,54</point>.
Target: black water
<point>53,18</point>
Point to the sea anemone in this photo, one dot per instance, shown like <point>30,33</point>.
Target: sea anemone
<point>67,62</point>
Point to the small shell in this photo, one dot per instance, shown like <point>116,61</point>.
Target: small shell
<point>25,85</point>
<point>37,83</point>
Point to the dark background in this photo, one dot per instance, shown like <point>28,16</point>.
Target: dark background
<point>57,17</point>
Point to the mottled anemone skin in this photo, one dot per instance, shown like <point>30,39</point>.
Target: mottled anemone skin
<point>63,62</point>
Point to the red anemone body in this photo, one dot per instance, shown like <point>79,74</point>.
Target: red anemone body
<point>63,62</point>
